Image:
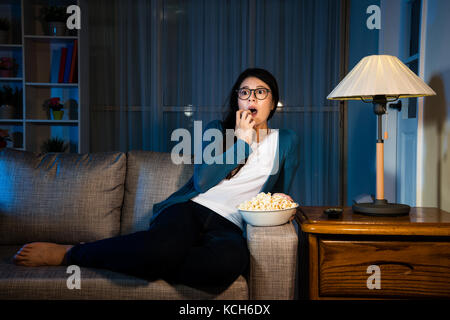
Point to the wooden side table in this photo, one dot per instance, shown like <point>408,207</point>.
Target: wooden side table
<point>407,257</point>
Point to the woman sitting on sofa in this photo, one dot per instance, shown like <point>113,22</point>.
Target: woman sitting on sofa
<point>196,235</point>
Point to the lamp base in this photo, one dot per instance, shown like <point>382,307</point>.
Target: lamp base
<point>381,208</point>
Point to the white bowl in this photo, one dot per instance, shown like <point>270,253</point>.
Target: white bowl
<point>267,218</point>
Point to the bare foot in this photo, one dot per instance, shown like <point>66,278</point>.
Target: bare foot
<point>41,254</point>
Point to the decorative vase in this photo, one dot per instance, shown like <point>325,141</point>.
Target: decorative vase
<point>56,28</point>
<point>6,111</point>
<point>57,115</point>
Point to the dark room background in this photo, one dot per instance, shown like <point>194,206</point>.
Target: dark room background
<point>155,66</point>
<point>148,67</point>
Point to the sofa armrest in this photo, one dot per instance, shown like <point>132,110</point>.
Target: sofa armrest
<point>273,261</point>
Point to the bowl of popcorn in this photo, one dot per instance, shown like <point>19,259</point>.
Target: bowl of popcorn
<point>267,210</point>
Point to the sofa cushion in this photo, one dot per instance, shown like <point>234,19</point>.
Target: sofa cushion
<point>60,197</point>
<point>151,177</point>
<point>17,283</point>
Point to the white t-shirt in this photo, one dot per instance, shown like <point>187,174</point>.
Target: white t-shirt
<point>226,196</point>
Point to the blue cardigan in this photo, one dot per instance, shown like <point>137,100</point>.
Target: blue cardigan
<point>208,175</point>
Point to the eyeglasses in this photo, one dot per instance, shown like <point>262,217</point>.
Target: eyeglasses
<point>260,93</point>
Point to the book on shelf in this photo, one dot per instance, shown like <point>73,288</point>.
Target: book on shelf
<point>64,64</point>
<point>68,62</point>
<point>73,65</point>
<point>54,72</point>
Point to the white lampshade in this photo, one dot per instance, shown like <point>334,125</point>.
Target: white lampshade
<point>380,75</point>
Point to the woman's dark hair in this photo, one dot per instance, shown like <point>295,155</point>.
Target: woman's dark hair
<point>229,121</point>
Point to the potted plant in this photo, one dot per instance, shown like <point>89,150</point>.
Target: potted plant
<point>10,99</point>
<point>4,138</point>
<point>55,106</point>
<point>54,145</point>
<point>54,20</point>
<point>4,28</point>
<point>8,67</point>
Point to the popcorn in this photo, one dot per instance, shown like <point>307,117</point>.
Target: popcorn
<point>267,202</point>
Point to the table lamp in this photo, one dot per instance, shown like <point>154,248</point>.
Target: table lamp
<point>379,79</point>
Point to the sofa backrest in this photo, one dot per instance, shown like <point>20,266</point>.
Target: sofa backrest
<point>151,177</point>
<point>60,197</point>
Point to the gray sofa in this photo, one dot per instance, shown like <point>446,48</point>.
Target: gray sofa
<point>73,198</point>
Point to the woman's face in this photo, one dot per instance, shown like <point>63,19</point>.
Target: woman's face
<point>261,108</point>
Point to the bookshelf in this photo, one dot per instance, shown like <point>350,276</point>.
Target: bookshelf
<point>42,74</point>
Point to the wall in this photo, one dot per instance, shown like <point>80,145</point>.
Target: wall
<point>361,129</point>
<point>389,44</point>
<point>435,190</point>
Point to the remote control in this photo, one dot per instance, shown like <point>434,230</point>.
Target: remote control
<point>333,212</point>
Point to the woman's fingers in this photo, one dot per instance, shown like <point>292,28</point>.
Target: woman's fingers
<point>283,195</point>
<point>244,120</point>
<point>249,119</point>
<point>238,118</point>
<point>243,116</point>
<point>246,115</point>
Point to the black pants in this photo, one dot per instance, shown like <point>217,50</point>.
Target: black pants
<point>187,243</point>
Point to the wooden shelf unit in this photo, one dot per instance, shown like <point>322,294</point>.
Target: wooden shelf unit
<point>33,49</point>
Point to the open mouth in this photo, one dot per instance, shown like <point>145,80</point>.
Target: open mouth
<point>253,111</point>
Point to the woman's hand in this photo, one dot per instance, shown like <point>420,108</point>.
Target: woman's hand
<point>283,195</point>
<point>289,198</point>
<point>244,126</point>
